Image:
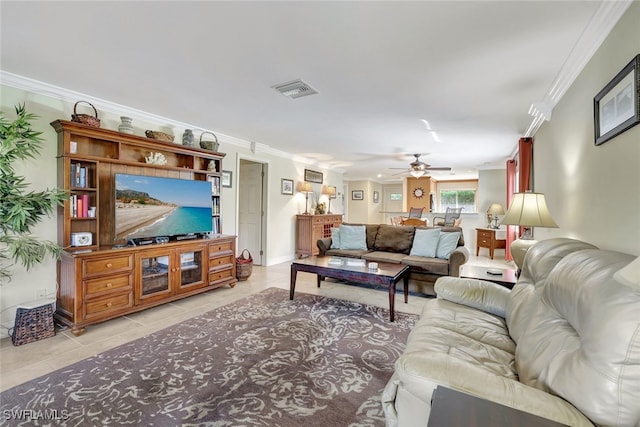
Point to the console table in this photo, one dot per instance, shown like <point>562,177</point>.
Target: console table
<point>486,238</point>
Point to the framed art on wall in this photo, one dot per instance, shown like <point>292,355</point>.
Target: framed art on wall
<point>313,176</point>
<point>357,195</point>
<point>376,197</point>
<point>226,179</point>
<point>616,108</point>
<point>286,186</point>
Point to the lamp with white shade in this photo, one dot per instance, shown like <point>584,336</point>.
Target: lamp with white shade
<point>306,188</point>
<point>329,191</point>
<point>494,210</point>
<point>527,210</point>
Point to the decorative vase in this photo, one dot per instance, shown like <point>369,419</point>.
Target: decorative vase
<point>126,127</point>
<point>187,138</point>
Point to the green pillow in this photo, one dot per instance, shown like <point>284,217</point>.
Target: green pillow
<point>425,242</point>
<point>447,243</point>
<point>353,237</point>
<point>335,238</point>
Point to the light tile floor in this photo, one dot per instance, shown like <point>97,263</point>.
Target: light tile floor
<point>23,363</point>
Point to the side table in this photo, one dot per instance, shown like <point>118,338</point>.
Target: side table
<point>451,408</point>
<point>486,238</point>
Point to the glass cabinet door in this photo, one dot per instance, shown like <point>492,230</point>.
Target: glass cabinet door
<point>192,267</point>
<point>154,269</point>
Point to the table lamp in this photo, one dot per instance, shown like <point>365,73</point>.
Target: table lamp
<point>306,188</point>
<point>527,210</point>
<point>329,191</point>
<point>494,210</point>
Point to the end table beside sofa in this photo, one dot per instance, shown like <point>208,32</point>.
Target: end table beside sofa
<point>564,344</point>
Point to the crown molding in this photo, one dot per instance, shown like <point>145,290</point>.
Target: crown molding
<point>70,96</point>
<point>596,31</point>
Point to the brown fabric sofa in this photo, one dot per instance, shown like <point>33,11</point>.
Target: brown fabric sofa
<point>390,243</point>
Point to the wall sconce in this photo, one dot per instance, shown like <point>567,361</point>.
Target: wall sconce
<point>306,188</point>
<point>329,191</point>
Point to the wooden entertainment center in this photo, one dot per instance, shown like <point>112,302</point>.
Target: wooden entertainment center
<point>101,278</point>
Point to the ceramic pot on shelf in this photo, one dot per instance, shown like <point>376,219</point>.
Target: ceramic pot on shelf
<point>125,126</point>
<point>187,138</point>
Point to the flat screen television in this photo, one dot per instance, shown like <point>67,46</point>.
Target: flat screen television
<point>150,206</point>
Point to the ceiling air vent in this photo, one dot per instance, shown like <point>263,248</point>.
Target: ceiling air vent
<point>295,89</point>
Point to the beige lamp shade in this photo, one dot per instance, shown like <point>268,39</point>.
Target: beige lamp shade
<point>630,275</point>
<point>527,210</point>
<point>496,209</point>
<point>328,190</point>
<point>305,187</point>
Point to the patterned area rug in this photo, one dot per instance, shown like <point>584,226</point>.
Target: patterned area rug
<point>261,361</point>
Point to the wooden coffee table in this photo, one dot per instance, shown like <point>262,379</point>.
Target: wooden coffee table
<point>387,274</point>
<point>507,276</point>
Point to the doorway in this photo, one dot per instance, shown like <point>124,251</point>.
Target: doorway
<point>251,209</point>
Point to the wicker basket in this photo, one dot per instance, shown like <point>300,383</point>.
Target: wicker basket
<point>33,324</point>
<point>244,266</point>
<point>159,136</point>
<point>209,145</point>
<point>86,119</point>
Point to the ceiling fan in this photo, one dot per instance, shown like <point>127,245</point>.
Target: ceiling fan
<point>418,168</point>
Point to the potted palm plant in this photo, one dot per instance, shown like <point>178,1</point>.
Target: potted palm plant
<point>21,208</point>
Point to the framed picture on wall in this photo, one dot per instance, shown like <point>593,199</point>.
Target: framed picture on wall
<point>313,176</point>
<point>226,179</point>
<point>376,197</point>
<point>357,195</point>
<point>286,186</point>
<point>616,108</point>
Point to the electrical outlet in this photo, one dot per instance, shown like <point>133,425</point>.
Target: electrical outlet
<point>42,292</point>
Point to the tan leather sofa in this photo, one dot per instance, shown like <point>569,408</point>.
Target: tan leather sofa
<point>564,344</point>
<point>390,243</point>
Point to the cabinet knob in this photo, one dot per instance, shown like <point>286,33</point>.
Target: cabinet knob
<point>109,285</point>
<point>109,265</point>
<point>109,304</point>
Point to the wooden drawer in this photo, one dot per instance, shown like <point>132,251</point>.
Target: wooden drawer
<point>220,261</point>
<point>217,276</point>
<point>107,284</point>
<point>96,267</point>
<point>105,305</point>
<point>319,220</point>
<point>219,247</point>
<point>484,234</point>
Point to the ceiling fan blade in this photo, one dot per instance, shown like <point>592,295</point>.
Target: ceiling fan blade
<point>438,168</point>
<point>404,169</point>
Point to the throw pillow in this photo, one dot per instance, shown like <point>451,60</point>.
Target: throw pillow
<point>447,243</point>
<point>425,242</point>
<point>353,237</point>
<point>335,238</point>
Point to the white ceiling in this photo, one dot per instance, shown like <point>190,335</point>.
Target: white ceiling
<point>470,68</point>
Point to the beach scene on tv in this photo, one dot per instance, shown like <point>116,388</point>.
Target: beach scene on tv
<point>149,206</point>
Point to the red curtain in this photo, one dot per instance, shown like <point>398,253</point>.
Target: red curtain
<point>525,154</point>
<point>511,188</point>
